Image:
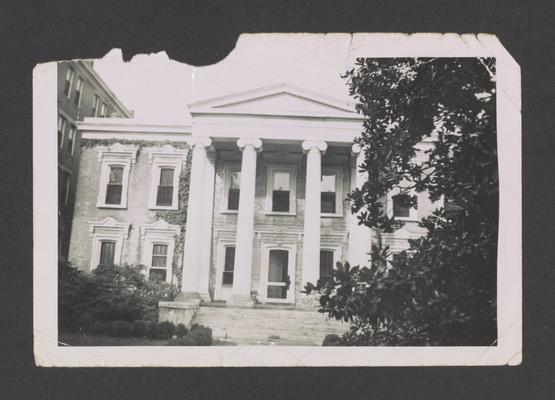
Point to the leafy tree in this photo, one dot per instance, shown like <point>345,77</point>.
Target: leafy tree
<point>443,290</point>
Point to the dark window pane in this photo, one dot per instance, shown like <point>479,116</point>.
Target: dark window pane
<point>157,275</point>
<point>328,202</point>
<point>229,264</point>
<point>113,194</point>
<point>233,199</point>
<point>277,292</point>
<point>160,249</point>
<point>401,206</point>
<point>166,177</point>
<point>280,200</point>
<point>107,252</point>
<point>164,196</point>
<point>326,263</point>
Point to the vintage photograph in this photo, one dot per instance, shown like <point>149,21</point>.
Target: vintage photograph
<point>302,193</point>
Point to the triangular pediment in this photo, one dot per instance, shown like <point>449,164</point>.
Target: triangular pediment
<point>276,100</point>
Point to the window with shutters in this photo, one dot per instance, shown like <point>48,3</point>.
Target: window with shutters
<point>62,123</point>
<point>70,75</point>
<point>79,91</point>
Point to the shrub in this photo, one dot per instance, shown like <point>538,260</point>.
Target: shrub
<point>198,335</point>
<point>180,330</point>
<point>139,328</point>
<point>110,293</point>
<point>165,330</point>
<point>120,329</point>
<point>333,340</point>
<point>151,329</point>
<point>98,328</point>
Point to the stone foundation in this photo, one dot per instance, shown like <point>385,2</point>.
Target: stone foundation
<point>178,312</point>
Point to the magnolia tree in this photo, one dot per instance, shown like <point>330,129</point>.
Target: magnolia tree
<point>443,290</point>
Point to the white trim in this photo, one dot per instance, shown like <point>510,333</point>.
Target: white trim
<point>338,172</point>
<point>413,211</point>
<point>107,229</point>
<point>117,155</point>
<point>159,232</point>
<point>165,157</point>
<point>291,270</point>
<point>229,168</point>
<point>221,293</point>
<point>271,169</point>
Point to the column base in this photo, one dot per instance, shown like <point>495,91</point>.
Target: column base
<point>243,300</point>
<point>178,312</point>
<point>205,297</point>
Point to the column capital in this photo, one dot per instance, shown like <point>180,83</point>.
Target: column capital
<point>243,143</point>
<point>201,142</point>
<point>319,145</point>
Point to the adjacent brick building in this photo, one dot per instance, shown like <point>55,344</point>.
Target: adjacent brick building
<point>81,93</point>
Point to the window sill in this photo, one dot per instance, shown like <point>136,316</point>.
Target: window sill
<point>331,215</point>
<point>284,213</point>
<point>229,211</point>
<point>165,208</point>
<point>406,219</point>
<point>118,206</point>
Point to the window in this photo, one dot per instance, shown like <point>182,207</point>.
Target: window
<point>107,253</point>
<point>327,194</point>
<point>103,110</point>
<point>159,246</point>
<point>401,206</point>
<point>331,204</point>
<point>229,264</point>
<point>79,91</point>
<point>71,140</point>
<point>280,198</point>
<point>116,161</point>
<point>96,106</point>
<point>63,192</point>
<point>62,122</point>
<point>165,187</point>
<point>109,231</point>
<point>115,186</point>
<point>159,265</point>
<point>326,263</point>
<point>166,163</point>
<point>70,74</point>
<point>281,192</point>
<point>233,190</point>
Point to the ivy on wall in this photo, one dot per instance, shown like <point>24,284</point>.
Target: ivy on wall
<point>174,217</point>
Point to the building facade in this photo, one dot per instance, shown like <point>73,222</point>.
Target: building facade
<point>81,94</point>
<point>244,206</point>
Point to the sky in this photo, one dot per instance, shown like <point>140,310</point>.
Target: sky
<point>159,89</point>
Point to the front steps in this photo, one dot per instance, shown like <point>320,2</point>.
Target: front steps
<point>281,325</point>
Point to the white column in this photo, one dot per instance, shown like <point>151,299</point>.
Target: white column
<point>311,237</point>
<point>206,253</point>
<point>360,236</point>
<point>245,222</point>
<point>193,228</point>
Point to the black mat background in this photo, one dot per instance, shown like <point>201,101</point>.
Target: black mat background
<point>204,32</point>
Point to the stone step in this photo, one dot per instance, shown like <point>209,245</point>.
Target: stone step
<point>267,324</point>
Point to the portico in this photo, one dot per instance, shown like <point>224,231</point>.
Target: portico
<point>270,173</point>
